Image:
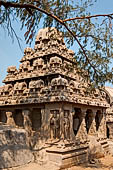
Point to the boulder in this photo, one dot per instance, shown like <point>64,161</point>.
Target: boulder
<point>13,148</point>
<point>95,149</point>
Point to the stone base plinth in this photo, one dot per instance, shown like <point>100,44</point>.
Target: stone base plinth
<point>105,145</point>
<point>68,156</point>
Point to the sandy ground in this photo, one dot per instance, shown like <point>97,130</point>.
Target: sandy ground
<point>105,163</point>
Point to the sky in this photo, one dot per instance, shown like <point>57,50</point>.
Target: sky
<point>10,53</point>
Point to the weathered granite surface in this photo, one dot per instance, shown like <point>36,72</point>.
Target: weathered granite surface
<point>13,148</point>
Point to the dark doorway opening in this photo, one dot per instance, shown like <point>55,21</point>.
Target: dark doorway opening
<point>18,118</point>
<point>3,117</point>
<point>107,131</point>
<point>98,119</point>
<point>88,120</point>
<point>76,120</point>
<point>36,119</point>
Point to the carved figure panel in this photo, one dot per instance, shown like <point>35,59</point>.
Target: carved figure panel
<point>19,87</point>
<point>23,67</point>
<point>59,83</point>
<point>7,89</point>
<point>36,84</point>
<point>54,124</point>
<point>38,65</point>
<point>74,85</point>
<point>66,123</point>
<point>55,64</point>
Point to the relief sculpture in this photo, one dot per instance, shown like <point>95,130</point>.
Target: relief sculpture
<point>66,123</point>
<point>54,125</point>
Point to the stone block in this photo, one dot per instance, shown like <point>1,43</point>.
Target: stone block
<point>13,148</point>
<point>69,156</point>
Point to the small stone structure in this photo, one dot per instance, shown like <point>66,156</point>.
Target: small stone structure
<point>49,99</point>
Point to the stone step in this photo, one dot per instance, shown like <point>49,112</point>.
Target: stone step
<point>105,145</point>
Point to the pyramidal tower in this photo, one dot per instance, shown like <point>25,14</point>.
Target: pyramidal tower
<point>47,96</point>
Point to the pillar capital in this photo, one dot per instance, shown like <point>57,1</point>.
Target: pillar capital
<point>83,112</point>
<point>26,112</point>
<point>94,112</point>
<point>8,113</point>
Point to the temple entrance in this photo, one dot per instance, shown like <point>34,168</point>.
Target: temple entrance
<point>18,118</point>
<point>76,120</point>
<point>36,119</point>
<point>3,117</point>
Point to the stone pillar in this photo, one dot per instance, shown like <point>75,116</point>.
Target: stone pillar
<point>82,132</point>
<point>104,124</point>
<point>83,125</point>
<point>72,135</point>
<point>92,128</point>
<point>10,119</point>
<point>27,125</point>
<point>27,120</point>
<point>43,121</point>
<point>66,123</point>
<point>61,123</point>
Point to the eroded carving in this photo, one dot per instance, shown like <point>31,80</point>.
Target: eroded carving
<point>10,119</point>
<point>66,123</point>
<point>55,64</point>
<point>54,125</point>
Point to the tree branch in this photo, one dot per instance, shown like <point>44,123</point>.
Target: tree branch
<point>80,47</point>
<point>26,6</point>
<point>89,17</point>
<point>31,6</point>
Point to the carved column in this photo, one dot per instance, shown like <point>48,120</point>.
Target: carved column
<point>82,130</point>
<point>43,121</point>
<point>61,123</point>
<point>72,136</point>
<point>104,124</point>
<point>101,131</point>
<point>27,125</point>
<point>66,123</point>
<point>10,119</point>
<point>27,120</point>
<point>92,128</point>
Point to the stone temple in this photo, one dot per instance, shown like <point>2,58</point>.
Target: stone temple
<point>109,113</point>
<point>48,101</point>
